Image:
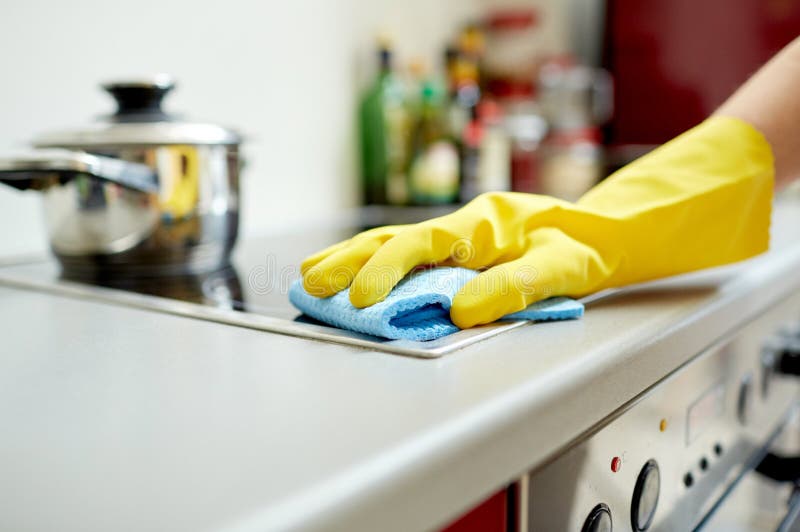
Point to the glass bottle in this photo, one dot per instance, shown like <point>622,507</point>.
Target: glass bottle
<point>434,163</point>
<point>384,130</point>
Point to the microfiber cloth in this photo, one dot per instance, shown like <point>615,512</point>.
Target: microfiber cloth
<point>418,308</point>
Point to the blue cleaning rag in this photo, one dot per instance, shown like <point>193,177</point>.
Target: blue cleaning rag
<point>418,308</point>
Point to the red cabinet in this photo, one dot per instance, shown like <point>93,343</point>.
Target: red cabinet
<point>489,516</point>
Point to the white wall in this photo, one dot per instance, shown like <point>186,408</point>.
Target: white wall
<point>287,73</point>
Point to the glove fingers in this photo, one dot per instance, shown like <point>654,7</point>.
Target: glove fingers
<point>555,264</point>
<point>500,290</point>
<point>335,273</point>
<point>424,243</point>
<point>319,256</point>
<point>333,269</point>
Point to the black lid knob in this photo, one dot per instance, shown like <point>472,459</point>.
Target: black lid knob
<point>139,100</point>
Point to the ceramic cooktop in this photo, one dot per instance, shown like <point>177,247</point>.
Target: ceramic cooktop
<point>253,291</point>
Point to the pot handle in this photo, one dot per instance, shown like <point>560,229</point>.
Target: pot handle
<point>39,169</point>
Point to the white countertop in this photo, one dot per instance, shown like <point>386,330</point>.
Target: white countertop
<point>121,419</point>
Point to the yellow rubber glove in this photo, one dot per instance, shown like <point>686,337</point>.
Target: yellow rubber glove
<point>701,200</point>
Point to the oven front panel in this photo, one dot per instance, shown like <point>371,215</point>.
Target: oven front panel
<point>666,461</point>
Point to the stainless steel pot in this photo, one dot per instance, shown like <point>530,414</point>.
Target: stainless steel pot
<point>138,193</point>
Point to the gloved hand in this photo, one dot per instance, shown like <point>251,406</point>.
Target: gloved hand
<point>701,200</point>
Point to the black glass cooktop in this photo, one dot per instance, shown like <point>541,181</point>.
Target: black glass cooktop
<point>252,291</point>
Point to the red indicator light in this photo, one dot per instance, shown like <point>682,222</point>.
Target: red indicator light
<point>616,464</point>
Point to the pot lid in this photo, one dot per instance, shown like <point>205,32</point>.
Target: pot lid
<point>139,120</point>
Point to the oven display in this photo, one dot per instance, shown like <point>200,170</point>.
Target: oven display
<point>703,411</point>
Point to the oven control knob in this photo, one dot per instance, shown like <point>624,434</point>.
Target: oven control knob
<point>599,520</point>
<point>645,496</point>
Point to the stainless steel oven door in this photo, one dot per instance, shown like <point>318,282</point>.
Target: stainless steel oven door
<point>681,455</point>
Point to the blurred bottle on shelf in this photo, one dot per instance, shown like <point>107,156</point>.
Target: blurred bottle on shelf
<point>571,163</point>
<point>494,163</point>
<point>512,57</point>
<point>384,124</point>
<point>434,162</point>
<point>471,139</point>
<point>471,43</point>
<point>576,100</point>
<point>526,128</point>
<point>505,115</point>
<point>513,50</point>
<point>573,95</point>
<point>486,153</point>
<point>463,90</point>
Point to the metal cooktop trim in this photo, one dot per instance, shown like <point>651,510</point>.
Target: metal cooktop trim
<point>431,349</point>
